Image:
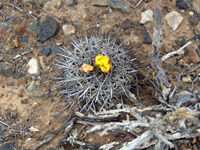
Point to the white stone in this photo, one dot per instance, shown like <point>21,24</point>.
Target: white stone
<point>191,13</point>
<point>147,16</point>
<point>33,66</point>
<point>174,19</point>
<point>32,129</point>
<point>68,29</point>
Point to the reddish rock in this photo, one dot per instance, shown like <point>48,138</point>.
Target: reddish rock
<point>21,28</point>
<point>3,32</point>
<point>22,81</point>
<point>193,57</point>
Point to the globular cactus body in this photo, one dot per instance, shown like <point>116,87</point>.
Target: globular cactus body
<point>93,89</point>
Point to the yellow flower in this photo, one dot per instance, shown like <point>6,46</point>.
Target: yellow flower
<point>103,63</point>
<point>171,118</point>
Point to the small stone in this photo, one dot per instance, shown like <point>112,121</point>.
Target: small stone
<point>120,4</point>
<point>10,83</point>
<point>24,101</point>
<point>1,6</point>
<point>68,29</point>
<point>194,147</point>
<point>39,95</point>
<point>6,70</point>
<point>126,24</point>
<point>196,6</point>
<point>197,29</point>
<point>3,32</point>
<point>24,39</point>
<point>191,13</point>
<point>33,85</point>
<point>21,28</point>
<point>32,129</point>
<point>146,37</point>
<point>33,28</point>
<point>54,48</point>
<point>147,16</point>
<point>33,66</point>
<point>22,81</point>
<point>16,42</point>
<point>198,144</point>
<point>72,2</point>
<point>28,49</point>
<point>174,19</point>
<point>186,79</point>
<point>45,52</point>
<point>105,29</point>
<point>47,29</point>
<point>16,75</point>
<point>193,22</point>
<point>182,5</point>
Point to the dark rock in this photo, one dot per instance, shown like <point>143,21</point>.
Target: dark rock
<point>28,49</point>
<point>146,37</point>
<point>6,70</point>
<point>16,75</point>
<point>193,22</point>
<point>182,5</point>
<point>127,33</point>
<point>197,29</point>
<point>193,39</point>
<point>182,42</point>
<point>24,38</point>
<point>7,146</point>
<point>10,83</point>
<point>45,51</point>
<point>24,101</point>
<point>47,29</point>
<point>126,24</point>
<point>120,4</point>
<point>21,4</point>
<point>1,131</point>
<point>198,144</point>
<point>54,48</point>
<point>1,6</point>
<point>33,29</point>
<point>72,2</point>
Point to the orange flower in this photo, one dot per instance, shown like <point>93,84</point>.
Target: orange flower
<point>103,63</point>
<point>86,68</point>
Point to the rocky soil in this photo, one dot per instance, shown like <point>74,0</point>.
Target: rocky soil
<point>35,30</point>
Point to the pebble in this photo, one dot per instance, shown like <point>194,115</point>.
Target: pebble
<point>39,95</point>
<point>105,29</point>
<point>68,29</point>
<point>54,48</point>
<point>146,37</point>
<point>186,79</point>
<point>47,29</point>
<point>191,13</point>
<point>192,55</point>
<point>196,6</point>
<point>126,24</point>
<point>33,28</point>
<point>174,19</point>
<point>197,29</point>
<point>22,81</point>
<point>147,16</point>
<point>16,75</point>
<point>3,30</point>
<point>32,129</point>
<point>33,66</point>
<point>33,85</point>
<point>72,2</point>
<point>24,101</point>
<point>193,22</point>
<point>45,51</point>
<point>120,4</point>
<point>10,83</point>
<point>182,5</point>
<point>198,144</point>
<point>24,39</point>
<point>6,70</point>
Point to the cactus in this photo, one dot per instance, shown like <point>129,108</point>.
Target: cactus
<point>91,88</point>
